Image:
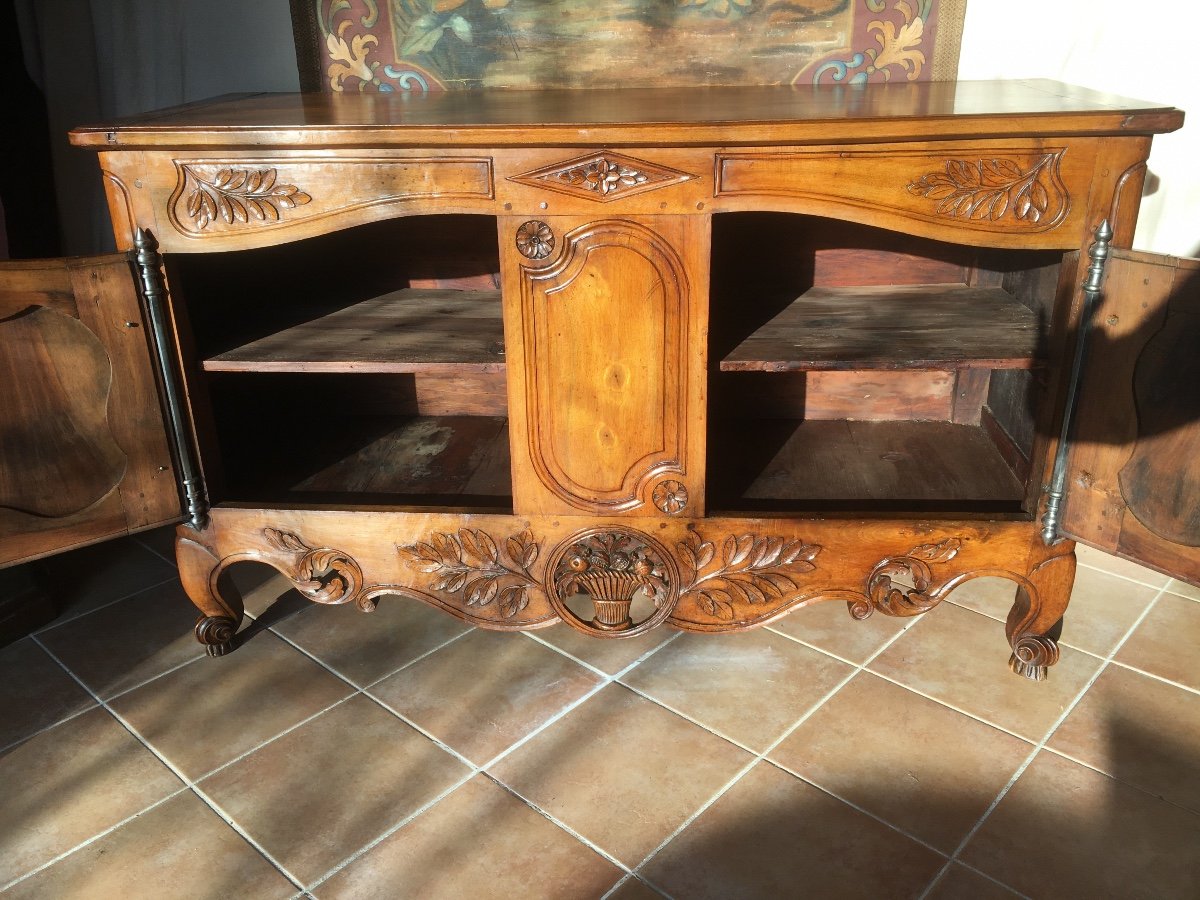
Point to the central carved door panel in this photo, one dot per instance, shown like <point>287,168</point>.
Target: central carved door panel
<point>606,391</point>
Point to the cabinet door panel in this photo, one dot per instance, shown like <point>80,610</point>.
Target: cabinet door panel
<point>610,383</point>
<point>1134,470</point>
<point>83,448</point>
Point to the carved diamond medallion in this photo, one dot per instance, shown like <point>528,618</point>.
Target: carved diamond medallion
<point>602,176</point>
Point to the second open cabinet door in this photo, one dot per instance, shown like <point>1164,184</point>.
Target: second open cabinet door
<point>83,443</point>
<point>1133,482</point>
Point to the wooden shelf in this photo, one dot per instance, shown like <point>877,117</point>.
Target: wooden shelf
<point>840,464</point>
<point>412,330</point>
<point>941,326</point>
<point>418,460</point>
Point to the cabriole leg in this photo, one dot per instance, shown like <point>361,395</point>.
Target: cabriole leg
<point>213,593</point>
<point>1035,622</point>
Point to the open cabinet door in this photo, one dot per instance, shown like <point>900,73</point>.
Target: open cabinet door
<point>83,444</point>
<point>1133,475</point>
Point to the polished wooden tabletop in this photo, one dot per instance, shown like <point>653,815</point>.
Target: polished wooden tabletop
<point>702,115</point>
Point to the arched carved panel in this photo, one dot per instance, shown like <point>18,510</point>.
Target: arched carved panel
<point>57,455</point>
<point>605,340</point>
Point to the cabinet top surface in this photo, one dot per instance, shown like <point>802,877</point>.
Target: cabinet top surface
<point>724,116</point>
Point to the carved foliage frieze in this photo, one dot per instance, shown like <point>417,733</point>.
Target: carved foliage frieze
<point>750,569</point>
<point>998,189</point>
<point>322,574</point>
<point>471,566</point>
<point>602,176</point>
<point>611,567</point>
<point>242,196</point>
<point>912,567</point>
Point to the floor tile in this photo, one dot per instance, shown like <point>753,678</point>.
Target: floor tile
<point>85,579</point>
<point>180,849</point>
<point>481,841</point>
<point>1183,589</point>
<point>622,771</point>
<point>829,627</point>
<point>1139,730</point>
<point>364,647</point>
<point>609,655</point>
<point>635,890</point>
<point>750,687</point>
<point>772,833</point>
<point>263,589</point>
<point>327,789</point>
<point>960,883</point>
<point>1166,641</point>
<point>35,692</point>
<point>127,643</point>
<point>860,746</point>
<point>1066,831</point>
<point>160,540</point>
<point>961,658</point>
<point>1097,559</point>
<point>212,710</point>
<point>486,691</point>
<point>993,597</point>
<point>68,783</point>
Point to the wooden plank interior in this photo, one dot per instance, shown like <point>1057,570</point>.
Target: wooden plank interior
<point>878,465</point>
<point>946,326</point>
<point>411,330</point>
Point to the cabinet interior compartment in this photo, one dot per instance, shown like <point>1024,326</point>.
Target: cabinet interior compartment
<point>362,367</point>
<point>854,369</point>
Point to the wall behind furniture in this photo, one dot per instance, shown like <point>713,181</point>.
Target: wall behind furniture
<point>1142,50</point>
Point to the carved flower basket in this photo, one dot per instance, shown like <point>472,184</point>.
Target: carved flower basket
<point>612,594</point>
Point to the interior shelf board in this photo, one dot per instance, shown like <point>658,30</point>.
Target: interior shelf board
<point>407,331</point>
<point>840,463</point>
<point>941,326</point>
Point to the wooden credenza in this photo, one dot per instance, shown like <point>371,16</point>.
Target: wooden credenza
<point>625,359</point>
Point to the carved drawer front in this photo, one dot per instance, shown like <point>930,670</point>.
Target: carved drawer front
<point>249,197</point>
<point>974,194</point>
<point>608,380</point>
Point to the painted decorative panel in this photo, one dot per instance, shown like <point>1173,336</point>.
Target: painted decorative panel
<point>428,45</point>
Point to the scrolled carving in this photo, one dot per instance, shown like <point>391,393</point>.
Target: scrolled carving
<point>238,195</point>
<point>1032,655</point>
<point>471,565</point>
<point>321,574</point>
<point>913,566</point>
<point>216,634</point>
<point>751,569</point>
<point>994,189</point>
<point>670,496</point>
<point>611,567</point>
<point>535,240</point>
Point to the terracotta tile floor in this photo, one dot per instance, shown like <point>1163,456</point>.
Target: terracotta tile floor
<point>403,754</point>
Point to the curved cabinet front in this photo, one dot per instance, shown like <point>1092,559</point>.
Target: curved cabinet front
<point>610,387</point>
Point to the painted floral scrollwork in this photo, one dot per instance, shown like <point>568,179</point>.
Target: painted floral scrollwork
<point>469,563</point>
<point>750,569</point>
<point>322,574</point>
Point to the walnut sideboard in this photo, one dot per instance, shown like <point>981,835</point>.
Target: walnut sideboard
<point>623,359</point>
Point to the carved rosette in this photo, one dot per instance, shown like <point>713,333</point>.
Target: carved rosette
<point>602,176</point>
<point>470,566</point>
<point>998,190</point>
<point>670,496</point>
<point>535,240</point>
<point>750,569</point>
<point>611,566</point>
<point>914,566</point>
<point>321,574</point>
<point>236,196</point>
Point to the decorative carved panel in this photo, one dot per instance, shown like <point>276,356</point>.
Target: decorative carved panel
<point>998,189</point>
<point>605,341</point>
<point>603,176</point>
<point>222,197</point>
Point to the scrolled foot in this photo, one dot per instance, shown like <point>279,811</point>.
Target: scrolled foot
<point>1033,655</point>
<point>216,633</point>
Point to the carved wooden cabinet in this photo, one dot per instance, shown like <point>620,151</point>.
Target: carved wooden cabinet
<point>694,358</point>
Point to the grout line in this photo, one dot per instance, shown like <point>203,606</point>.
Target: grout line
<point>137,539</point>
<point>95,837</point>
<point>45,728</point>
<point>1160,678</point>
<point>761,756</point>
<point>1070,707</point>
<point>1117,778</point>
<point>50,626</point>
<point>1154,587</point>
<point>189,784</point>
<point>174,668</point>
<point>587,665</point>
<point>627,877</point>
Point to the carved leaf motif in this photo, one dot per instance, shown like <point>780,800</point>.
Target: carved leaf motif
<point>752,569</point>
<point>238,195</point>
<point>324,574</point>
<point>993,188</point>
<point>469,563</point>
<point>936,553</point>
